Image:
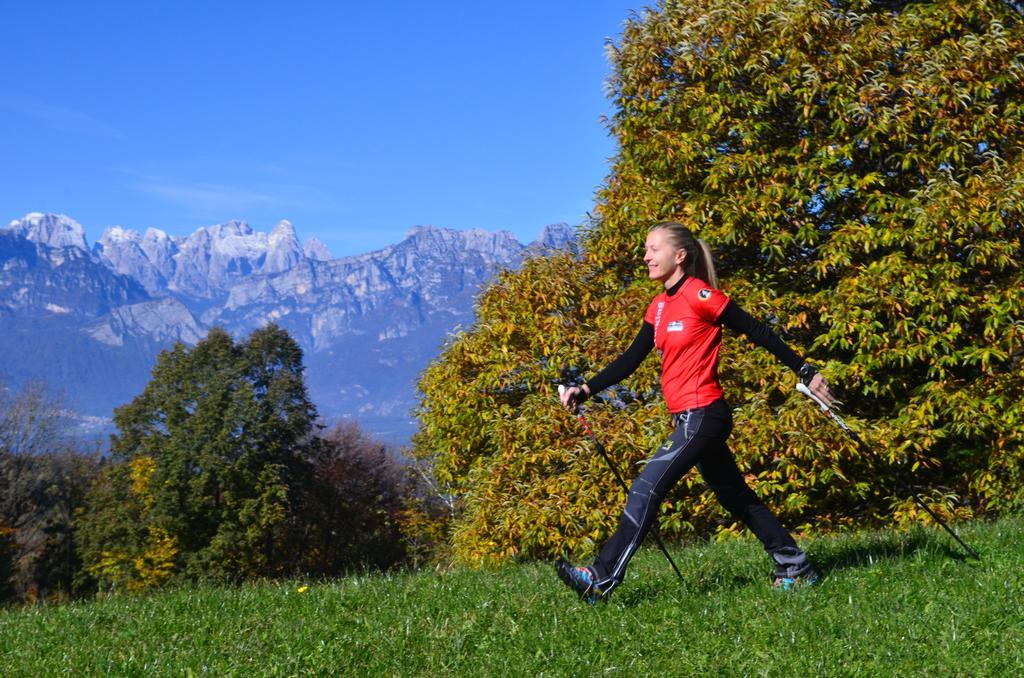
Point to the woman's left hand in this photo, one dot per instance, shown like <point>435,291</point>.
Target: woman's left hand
<point>573,396</point>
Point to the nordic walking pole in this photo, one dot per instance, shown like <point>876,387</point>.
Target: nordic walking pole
<point>862,446</point>
<point>618,476</point>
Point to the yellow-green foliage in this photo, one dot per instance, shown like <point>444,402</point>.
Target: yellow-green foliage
<point>150,568</point>
<point>145,562</point>
<point>140,471</point>
<point>856,167</point>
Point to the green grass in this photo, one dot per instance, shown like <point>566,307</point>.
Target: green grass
<point>891,604</point>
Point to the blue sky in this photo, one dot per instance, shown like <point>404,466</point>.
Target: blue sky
<point>354,121</point>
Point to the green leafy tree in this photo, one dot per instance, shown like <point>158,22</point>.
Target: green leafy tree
<point>208,472</point>
<point>856,167</point>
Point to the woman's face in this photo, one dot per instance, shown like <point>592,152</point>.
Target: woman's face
<point>664,261</point>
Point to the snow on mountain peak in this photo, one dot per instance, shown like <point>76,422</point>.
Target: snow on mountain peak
<point>283,231</point>
<point>156,234</point>
<point>556,236</point>
<point>417,230</point>
<point>241,245</point>
<point>315,249</point>
<point>53,230</point>
<point>234,227</point>
<point>118,234</point>
<point>283,249</point>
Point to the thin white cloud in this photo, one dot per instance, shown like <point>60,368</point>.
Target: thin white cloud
<point>206,197</point>
<point>63,119</point>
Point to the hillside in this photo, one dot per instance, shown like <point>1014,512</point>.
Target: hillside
<point>891,604</point>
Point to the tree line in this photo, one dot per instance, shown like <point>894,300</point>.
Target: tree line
<point>219,470</point>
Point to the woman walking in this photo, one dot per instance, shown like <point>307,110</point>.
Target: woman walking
<point>684,323</point>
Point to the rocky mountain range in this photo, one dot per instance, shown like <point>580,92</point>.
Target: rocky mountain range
<point>91,320</point>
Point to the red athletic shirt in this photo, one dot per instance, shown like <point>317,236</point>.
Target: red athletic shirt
<point>688,336</point>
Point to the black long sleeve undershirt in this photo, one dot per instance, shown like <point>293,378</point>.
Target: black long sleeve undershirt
<point>733,316</point>
<point>737,319</point>
<point>625,364</point>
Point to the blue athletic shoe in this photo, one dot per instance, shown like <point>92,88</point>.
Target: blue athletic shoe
<point>580,580</point>
<point>793,569</point>
<point>795,577</point>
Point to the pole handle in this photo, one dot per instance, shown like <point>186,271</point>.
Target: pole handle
<point>807,392</point>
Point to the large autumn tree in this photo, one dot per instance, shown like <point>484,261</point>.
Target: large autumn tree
<point>856,167</point>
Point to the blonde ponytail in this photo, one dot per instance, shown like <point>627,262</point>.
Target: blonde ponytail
<point>707,264</point>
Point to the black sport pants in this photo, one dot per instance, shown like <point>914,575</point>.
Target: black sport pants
<point>699,440</point>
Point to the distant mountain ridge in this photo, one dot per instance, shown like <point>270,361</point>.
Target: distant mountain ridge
<point>368,323</point>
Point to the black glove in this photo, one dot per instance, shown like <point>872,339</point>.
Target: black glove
<point>581,396</point>
<point>806,374</point>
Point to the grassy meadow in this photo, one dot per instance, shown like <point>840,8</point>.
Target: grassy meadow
<point>890,604</point>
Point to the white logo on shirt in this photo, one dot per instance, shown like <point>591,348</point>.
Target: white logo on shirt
<point>675,326</point>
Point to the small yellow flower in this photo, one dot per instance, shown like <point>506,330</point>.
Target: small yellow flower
<point>302,589</point>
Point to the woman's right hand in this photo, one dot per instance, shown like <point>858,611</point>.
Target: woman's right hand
<point>821,390</point>
<point>816,384</point>
<point>573,396</point>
